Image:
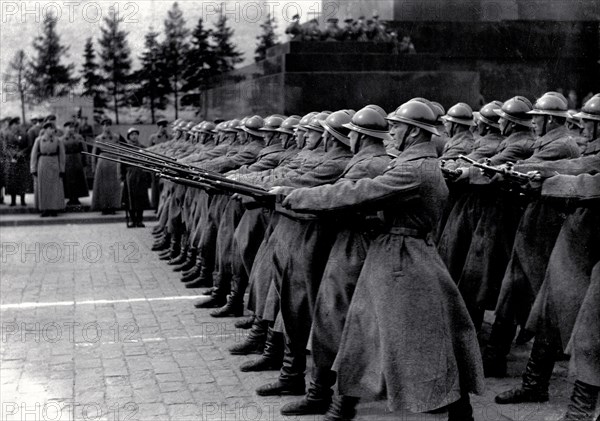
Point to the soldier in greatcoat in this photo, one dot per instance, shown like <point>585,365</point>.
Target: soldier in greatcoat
<point>573,256</point>
<point>347,254</point>
<point>408,336</point>
<point>541,221</point>
<point>136,183</point>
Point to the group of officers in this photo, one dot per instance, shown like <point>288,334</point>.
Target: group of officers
<point>359,30</point>
<point>390,236</point>
<point>52,163</point>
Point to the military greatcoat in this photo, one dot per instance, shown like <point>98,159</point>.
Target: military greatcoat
<point>408,336</point>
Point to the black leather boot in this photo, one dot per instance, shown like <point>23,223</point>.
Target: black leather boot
<point>498,347</point>
<point>536,378</point>
<point>215,301</point>
<point>233,308</point>
<point>174,249</point>
<point>583,402</point>
<point>255,342</point>
<point>318,398</point>
<point>194,273</point>
<point>162,244</point>
<point>291,375</point>
<point>183,253</point>
<point>189,262</point>
<point>461,410</point>
<point>245,323</point>
<point>342,408</point>
<point>272,357</point>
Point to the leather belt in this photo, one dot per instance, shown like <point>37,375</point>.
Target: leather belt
<point>409,232</point>
<point>49,154</point>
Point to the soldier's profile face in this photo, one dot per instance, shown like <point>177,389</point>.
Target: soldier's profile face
<point>354,138</point>
<point>300,137</point>
<point>504,125</point>
<point>313,138</point>
<point>538,124</point>
<point>398,131</point>
<point>448,127</point>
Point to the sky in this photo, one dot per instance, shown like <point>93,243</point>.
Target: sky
<point>21,21</point>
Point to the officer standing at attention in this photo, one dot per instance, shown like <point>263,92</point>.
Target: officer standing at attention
<point>48,168</point>
<point>75,182</point>
<point>107,186</point>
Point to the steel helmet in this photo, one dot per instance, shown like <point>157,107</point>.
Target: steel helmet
<point>180,125</point>
<point>196,128</point>
<point>416,113</point>
<point>208,127</point>
<point>591,109</point>
<point>188,127</point>
<point>515,110</point>
<point>315,122</point>
<point>253,125</point>
<point>551,103</point>
<point>460,113</point>
<point>272,123</point>
<point>487,114</point>
<point>335,124</point>
<point>378,109</point>
<point>288,124</point>
<point>371,122</point>
<point>438,108</point>
<point>132,130</point>
<point>305,120</point>
<point>231,126</point>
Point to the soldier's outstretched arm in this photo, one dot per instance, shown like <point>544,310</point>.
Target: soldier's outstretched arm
<point>399,183</point>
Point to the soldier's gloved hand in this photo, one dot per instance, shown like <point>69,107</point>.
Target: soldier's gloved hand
<point>464,173</point>
<point>281,190</point>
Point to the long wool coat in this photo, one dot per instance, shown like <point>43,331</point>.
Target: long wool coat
<point>48,161</point>
<point>575,254</point>
<point>300,253</point>
<point>74,181</point>
<point>107,185</point>
<point>536,235</point>
<point>408,336</point>
<point>487,254</point>
<point>16,170</point>
<point>345,260</point>
<point>585,340</point>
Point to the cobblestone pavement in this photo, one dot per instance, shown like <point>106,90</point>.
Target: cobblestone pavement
<point>95,327</point>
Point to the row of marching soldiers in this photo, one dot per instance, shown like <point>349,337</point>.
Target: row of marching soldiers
<point>385,248</point>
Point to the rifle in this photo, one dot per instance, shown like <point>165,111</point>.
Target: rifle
<point>173,164</point>
<point>190,179</point>
<point>449,174</point>
<point>508,173</point>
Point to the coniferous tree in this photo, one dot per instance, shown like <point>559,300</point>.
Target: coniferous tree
<point>17,76</point>
<point>199,62</point>
<point>92,81</point>
<point>174,51</point>
<point>267,39</point>
<point>153,86</point>
<point>48,76</point>
<point>116,63</point>
<point>226,53</point>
